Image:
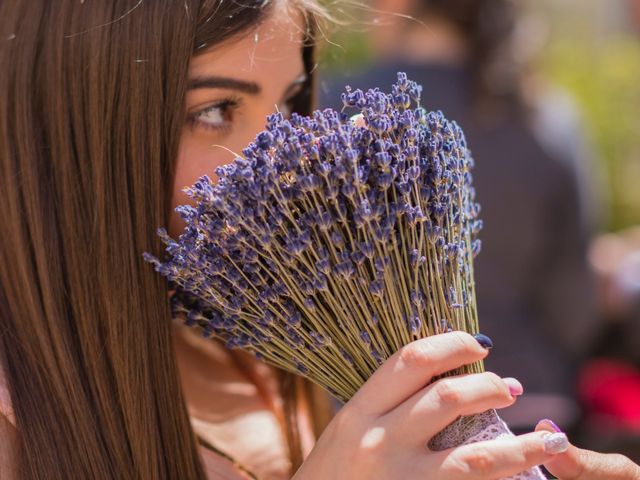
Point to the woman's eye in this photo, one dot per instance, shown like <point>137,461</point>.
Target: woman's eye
<point>217,117</point>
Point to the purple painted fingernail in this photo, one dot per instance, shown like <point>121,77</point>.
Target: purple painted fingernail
<point>551,423</point>
<point>515,387</point>
<point>556,443</point>
<point>484,341</point>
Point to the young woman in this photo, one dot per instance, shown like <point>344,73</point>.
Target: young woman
<point>107,109</point>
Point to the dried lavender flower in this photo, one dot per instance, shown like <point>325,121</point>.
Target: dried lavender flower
<point>328,230</point>
<point>330,244</point>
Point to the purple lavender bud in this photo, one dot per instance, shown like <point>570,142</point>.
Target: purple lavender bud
<point>348,358</point>
<point>309,183</point>
<point>379,234</point>
<point>364,336</point>
<point>341,209</point>
<point>337,239</point>
<point>382,159</point>
<point>348,190</point>
<point>192,318</point>
<point>345,269</point>
<point>293,338</point>
<point>310,304</point>
<point>403,187</point>
<point>280,288</point>
<point>358,258</point>
<point>353,99</point>
<point>295,319</point>
<point>476,246</point>
<point>267,320</point>
<point>207,331</point>
<point>319,340</point>
<point>376,288</point>
<point>451,250</point>
<point>320,282</point>
<point>413,173</point>
<point>414,323</point>
<point>381,264</point>
<point>384,181</point>
<point>367,249</point>
<point>401,101</point>
<point>323,168</point>
<point>323,265</point>
<point>307,288</point>
<point>325,221</point>
<point>300,367</point>
<point>403,82</point>
<point>376,355</point>
<point>150,259</point>
<point>417,298</point>
<point>411,152</point>
<point>476,226</point>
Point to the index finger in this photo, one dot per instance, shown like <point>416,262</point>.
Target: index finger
<point>414,366</point>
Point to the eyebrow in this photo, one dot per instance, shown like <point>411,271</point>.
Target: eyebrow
<point>251,88</point>
<point>226,83</point>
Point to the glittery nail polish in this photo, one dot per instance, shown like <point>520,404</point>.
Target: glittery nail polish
<point>556,443</point>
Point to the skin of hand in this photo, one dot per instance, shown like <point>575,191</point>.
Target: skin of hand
<point>382,432</point>
<point>579,464</point>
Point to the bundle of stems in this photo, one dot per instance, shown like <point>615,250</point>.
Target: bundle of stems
<point>328,245</point>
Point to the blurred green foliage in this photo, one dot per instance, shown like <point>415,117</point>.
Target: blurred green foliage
<point>348,47</point>
<point>604,78</point>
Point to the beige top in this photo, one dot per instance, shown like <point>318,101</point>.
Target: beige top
<point>233,404</point>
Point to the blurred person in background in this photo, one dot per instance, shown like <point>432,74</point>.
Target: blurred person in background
<point>609,383</point>
<point>535,293</point>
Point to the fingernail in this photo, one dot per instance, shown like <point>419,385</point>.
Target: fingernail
<point>484,341</point>
<point>551,423</point>
<point>556,443</point>
<point>515,387</point>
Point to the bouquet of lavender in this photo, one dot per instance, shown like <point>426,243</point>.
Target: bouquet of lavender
<point>329,245</point>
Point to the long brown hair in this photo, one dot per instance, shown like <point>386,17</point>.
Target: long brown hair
<point>91,107</point>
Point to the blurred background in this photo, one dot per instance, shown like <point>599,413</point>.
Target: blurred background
<point>548,94</point>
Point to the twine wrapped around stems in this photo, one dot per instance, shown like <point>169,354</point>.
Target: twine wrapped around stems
<point>328,245</point>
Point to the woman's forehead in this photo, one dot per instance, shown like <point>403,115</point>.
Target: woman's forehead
<point>275,44</point>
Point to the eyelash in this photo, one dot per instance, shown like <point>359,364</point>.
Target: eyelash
<point>226,106</point>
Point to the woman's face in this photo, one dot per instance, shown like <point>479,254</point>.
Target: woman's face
<point>233,87</point>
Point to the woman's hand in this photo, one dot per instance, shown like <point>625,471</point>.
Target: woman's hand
<point>578,464</point>
<point>382,432</point>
